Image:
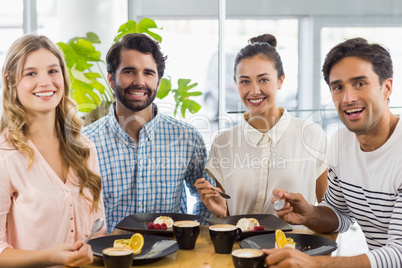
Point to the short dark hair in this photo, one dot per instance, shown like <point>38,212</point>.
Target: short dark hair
<point>264,45</point>
<point>376,54</point>
<point>135,41</point>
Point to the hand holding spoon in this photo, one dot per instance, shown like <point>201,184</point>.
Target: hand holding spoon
<point>96,226</point>
<point>279,204</point>
<point>226,196</point>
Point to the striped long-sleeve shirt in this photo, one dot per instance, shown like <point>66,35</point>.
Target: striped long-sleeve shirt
<point>367,187</point>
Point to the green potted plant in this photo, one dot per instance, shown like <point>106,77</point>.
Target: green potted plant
<point>89,87</point>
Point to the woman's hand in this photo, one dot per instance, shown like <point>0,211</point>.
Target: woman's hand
<point>215,203</point>
<point>71,254</point>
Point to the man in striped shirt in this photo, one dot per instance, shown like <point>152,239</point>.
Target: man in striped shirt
<point>146,158</point>
<point>365,164</point>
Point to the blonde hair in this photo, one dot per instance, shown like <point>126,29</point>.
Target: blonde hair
<point>74,153</point>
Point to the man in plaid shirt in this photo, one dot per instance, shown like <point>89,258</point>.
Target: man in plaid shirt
<point>145,157</point>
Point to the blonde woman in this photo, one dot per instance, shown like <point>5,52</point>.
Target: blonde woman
<point>50,188</point>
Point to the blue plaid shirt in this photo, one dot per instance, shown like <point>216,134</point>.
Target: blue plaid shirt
<point>148,176</point>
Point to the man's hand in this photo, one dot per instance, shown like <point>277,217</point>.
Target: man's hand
<point>296,209</point>
<point>288,257</point>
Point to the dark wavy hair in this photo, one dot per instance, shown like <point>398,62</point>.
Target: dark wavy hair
<point>376,54</point>
<point>135,41</point>
<point>264,45</point>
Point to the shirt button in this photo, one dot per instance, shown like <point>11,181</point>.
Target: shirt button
<point>140,205</point>
<point>72,231</point>
<point>140,179</point>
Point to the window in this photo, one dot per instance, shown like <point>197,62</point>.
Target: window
<point>386,36</point>
<point>192,50</point>
<point>10,25</point>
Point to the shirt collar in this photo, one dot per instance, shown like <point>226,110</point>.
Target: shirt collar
<point>274,134</point>
<point>148,129</point>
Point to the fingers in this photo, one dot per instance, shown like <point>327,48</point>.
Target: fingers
<point>82,256</point>
<point>199,181</point>
<point>286,210</point>
<point>201,184</point>
<point>279,194</point>
<point>205,189</point>
<point>276,255</point>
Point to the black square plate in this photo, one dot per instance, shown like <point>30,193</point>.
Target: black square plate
<point>155,247</point>
<point>312,245</point>
<point>139,222</point>
<point>269,221</point>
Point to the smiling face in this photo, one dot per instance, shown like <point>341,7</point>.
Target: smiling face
<point>257,82</point>
<point>136,81</point>
<point>360,99</point>
<point>41,86</point>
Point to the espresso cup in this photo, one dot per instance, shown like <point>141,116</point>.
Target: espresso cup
<point>248,258</point>
<point>223,237</point>
<point>117,257</point>
<point>186,233</point>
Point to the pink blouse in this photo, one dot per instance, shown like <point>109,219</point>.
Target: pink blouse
<point>38,210</point>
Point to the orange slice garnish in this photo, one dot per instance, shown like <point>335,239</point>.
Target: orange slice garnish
<point>280,238</point>
<point>136,243</point>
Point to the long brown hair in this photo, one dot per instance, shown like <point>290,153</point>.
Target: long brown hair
<point>74,153</point>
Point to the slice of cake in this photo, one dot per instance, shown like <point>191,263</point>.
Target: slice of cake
<point>164,219</point>
<point>247,224</point>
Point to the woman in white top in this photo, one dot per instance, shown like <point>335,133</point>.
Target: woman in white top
<point>50,188</point>
<point>269,149</point>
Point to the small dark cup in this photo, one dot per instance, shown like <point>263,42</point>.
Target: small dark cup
<point>117,257</point>
<point>223,237</point>
<point>248,258</point>
<point>186,233</point>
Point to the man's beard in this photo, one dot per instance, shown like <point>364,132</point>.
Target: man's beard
<point>134,105</point>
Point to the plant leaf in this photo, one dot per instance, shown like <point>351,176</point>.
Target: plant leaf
<point>80,76</point>
<point>145,24</point>
<point>142,27</point>
<point>190,105</point>
<point>93,38</point>
<point>165,87</point>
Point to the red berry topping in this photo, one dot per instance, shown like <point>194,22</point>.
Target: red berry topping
<point>157,226</point>
<point>260,228</point>
<point>151,225</point>
<point>163,226</point>
<point>256,228</point>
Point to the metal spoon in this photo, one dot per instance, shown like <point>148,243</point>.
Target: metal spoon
<point>226,196</point>
<point>96,226</point>
<point>279,204</point>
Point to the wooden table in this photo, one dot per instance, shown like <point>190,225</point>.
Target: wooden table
<point>203,255</point>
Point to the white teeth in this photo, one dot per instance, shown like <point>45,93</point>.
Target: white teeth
<point>137,93</point>
<point>256,101</point>
<point>354,111</point>
<point>44,94</point>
